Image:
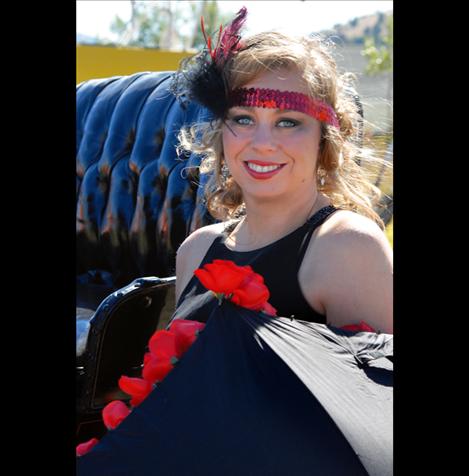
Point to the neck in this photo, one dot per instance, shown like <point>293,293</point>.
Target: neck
<point>265,222</point>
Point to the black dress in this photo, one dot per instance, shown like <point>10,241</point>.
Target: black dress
<point>257,395</point>
<point>279,264</point>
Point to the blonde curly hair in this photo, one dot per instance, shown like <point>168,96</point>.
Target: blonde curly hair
<point>344,168</point>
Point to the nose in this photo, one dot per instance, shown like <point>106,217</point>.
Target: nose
<point>263,139</point>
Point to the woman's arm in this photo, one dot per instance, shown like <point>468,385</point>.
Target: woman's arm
<point>356,274</point>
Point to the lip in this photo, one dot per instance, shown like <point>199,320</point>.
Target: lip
<point>263,163</point>
<point>262,175</point>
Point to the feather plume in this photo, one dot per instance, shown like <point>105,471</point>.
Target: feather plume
<point>202,77</point>
<point>229,41</point>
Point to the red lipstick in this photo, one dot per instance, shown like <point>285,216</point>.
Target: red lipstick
<point>262,175</point>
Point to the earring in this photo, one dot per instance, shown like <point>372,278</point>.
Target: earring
<point>225,172</point>
<point>321,177</point>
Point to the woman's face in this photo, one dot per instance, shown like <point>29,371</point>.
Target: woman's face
<point>274,152</point>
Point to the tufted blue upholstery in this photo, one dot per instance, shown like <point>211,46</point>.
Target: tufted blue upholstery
<point>135,203</point>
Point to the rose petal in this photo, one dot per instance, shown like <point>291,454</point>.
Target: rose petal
<point>113,413</point>
<point>206,278</point>
<point>362,327</point>
<point>156,369</point>
<point>135,387</point>
<point>253,295</point>
<point>269,309</point>
<point>164,344</point>
<point>83,448</point>
<point>186,332</point>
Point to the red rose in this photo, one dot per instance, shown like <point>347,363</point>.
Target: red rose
<point>155,369</point>
<point>186,332</point>
<point>146,358</point>
<point>113,413</point>
<point>362,327</point>
<point>222,276</point>
<point>240,284</point>
<point>137,388</point>
<point>252,294</point>
<point>83,448</point>
<point>163,344</point>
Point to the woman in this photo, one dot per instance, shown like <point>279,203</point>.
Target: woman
<point>285,157</point>
<point>295,207</point>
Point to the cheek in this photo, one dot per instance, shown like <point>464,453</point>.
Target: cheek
<point>232,145</point>
<point>304,146</point>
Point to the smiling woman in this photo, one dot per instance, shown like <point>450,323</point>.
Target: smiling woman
<point>293,66</point>
<point>292,288</point>
<point>271,151</point>
<point>285,165</point>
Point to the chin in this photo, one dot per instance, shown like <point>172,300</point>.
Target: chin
<point>264,192</point>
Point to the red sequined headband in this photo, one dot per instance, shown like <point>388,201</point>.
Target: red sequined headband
<point>273,98</point>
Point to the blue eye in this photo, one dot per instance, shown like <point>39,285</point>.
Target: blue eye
<point>242,120</point>
<point>289,123</point>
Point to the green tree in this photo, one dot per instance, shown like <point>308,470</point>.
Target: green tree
<point>147,24</point>
<point>213,18</point>
<point>379,51</point>
<point>380,55</point>
<point>169,24</point>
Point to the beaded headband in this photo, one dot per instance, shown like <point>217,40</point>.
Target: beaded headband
<point>273,98</point>
<point>203,78</point>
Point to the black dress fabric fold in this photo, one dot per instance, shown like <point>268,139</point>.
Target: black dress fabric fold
<point>262,396</point>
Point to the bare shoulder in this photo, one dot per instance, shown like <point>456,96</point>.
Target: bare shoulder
<point>348,271</point>
<point>349,228</point>
<point>201,236</point>
<point>192,251</point>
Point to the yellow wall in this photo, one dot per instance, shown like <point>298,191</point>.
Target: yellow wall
<point>104,61</point>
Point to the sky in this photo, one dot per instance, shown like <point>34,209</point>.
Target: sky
<point>294,16</point>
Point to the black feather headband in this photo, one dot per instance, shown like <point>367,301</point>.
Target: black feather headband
<point>202,77</point>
